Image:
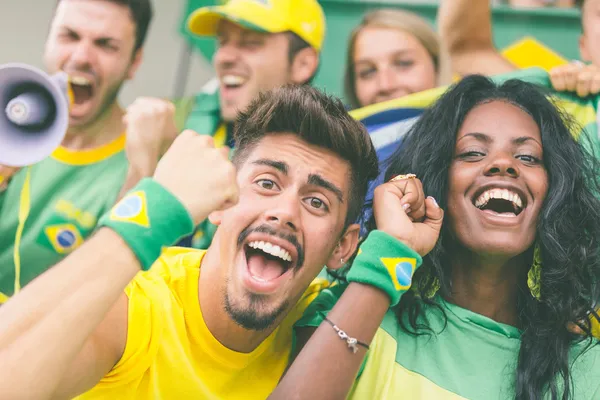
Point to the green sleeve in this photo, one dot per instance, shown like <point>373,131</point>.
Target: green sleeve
<point>203,235</point>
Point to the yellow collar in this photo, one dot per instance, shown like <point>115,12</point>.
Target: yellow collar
<point>85,157</point>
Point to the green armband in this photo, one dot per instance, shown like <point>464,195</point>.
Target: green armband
<point>149,218</point>
<point>386,263</point>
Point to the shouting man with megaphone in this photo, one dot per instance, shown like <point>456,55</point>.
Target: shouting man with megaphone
<point>47,210</point>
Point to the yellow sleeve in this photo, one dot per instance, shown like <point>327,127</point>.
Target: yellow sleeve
<point>148,297</point>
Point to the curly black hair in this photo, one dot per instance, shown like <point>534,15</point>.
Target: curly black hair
<point>568,230</point>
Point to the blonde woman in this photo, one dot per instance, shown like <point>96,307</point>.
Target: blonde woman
<point>392,53</point>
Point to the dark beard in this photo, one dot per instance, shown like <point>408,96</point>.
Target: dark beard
<point>249,317</point>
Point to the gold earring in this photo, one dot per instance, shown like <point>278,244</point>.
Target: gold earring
<point>435,287</point>
<point>429,294</point>
<point>342,261</point>
<point>534,274</point>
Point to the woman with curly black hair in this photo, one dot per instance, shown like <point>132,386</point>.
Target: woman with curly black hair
<point>473,301</point>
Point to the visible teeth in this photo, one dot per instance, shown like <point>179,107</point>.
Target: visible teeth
<point>479,202</point>
<point>505,194</point>
<point>515,200</point>
<point>271,249</point>
<point>233,80</point>
<point>80,80</point>
<point>518,201</point>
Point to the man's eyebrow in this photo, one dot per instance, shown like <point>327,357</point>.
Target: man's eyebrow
<point>318,180</point>
<point>278,165</point>
<point>313,179</point>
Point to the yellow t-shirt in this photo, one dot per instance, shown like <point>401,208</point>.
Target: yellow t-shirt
<point>171,354</point>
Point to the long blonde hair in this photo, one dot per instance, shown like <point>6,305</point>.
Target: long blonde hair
<point>405,21</point>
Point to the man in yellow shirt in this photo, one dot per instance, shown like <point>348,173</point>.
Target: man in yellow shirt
<point>200,324</point>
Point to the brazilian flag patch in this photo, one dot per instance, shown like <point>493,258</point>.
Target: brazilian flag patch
<point>401,271</point>
<point>132,209</point>
<point>64,238</point>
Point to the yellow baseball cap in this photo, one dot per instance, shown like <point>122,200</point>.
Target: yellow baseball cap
<point>303,17</point>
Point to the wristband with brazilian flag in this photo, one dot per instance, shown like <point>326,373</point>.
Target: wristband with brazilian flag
<point>149,218</point>
<point>386,263</point>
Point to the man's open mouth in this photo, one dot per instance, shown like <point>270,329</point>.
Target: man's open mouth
<point>82,89</point>
<point>231,81</point>
<point>504,202</point>
<point>267,261</point>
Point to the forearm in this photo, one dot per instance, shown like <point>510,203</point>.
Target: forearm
<point>135,174</point>
<point>358,312</point>
<point>43,328</point>
<point>465,24</point>
<point>466,32</point>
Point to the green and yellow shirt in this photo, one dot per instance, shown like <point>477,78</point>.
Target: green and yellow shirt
<point>471,357</point>
<point>69,191</point>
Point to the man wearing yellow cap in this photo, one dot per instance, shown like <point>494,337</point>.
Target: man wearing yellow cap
<point>262,44</point>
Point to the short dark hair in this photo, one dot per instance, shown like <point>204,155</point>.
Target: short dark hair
<point>318,119</point>
<point>141,14</point>
<point>296,43</point>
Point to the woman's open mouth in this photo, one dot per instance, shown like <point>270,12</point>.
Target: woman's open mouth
<point>504,202</point>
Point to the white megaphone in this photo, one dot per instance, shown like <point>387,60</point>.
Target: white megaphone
<point>34,114</point>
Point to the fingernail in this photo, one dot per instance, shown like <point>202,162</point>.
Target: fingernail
<point>406,206</point>
<point>434,201</point>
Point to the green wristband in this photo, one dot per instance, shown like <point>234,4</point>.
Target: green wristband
<point>386,263</point>
<point>149,218</point>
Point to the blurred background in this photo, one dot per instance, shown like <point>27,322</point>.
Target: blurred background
<point>164,46</point>
<point>176,64</point>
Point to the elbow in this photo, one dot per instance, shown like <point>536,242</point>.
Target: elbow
<point>459,40</point>
<point>465,48</point>
<point>466,59</point>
